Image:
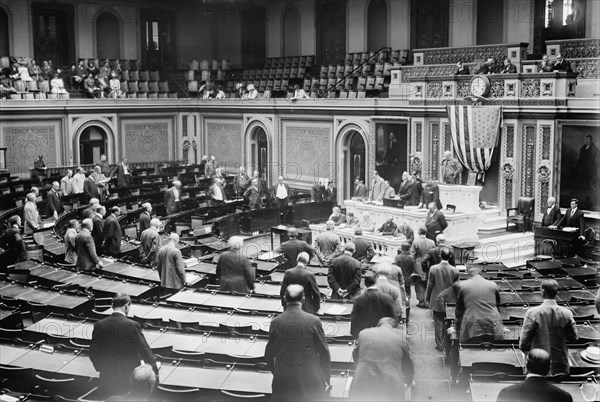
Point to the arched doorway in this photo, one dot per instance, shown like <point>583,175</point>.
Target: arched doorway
<point>291,32</point>
<point>354,151</point>
<point>107,36</point>
<point>377,25</point>
<point>92,144</point>
<point>4,43</point>
<point>259,153</point>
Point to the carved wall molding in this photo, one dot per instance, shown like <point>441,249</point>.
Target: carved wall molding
<point>544,162</point>
<point>149,139</point>
<point>508,166</point>
<point>267,123</point>
<point>342,128</point>
<point>77,123</point>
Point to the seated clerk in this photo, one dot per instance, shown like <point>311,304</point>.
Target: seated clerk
<point>388,228</point>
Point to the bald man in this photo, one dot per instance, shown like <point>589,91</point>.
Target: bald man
<point>234,271</point>
<point>300,276</point>
<point>300,363</point>
<point>170,265</point>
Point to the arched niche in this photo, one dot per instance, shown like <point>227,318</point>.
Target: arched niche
<point>90,135</point>
<point>352,159</point>
<point>108,37</point>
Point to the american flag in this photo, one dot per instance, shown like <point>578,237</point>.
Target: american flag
<point>475,134</point>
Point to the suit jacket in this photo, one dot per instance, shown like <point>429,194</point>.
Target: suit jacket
<point>240,183</point>
<point>316,192</point>
<point>407,265</point>
<point>418,250</point>
<point>86,251</point>
<point>145,219</point>
<point>287,189</point>
<point>301,367</point>
<point>91,189</point>
<point>13,243</point>
<point>112,236</point>
<point>435,223</point>
<point>398,296</point>
<point>432,257</point>
<point>344,273</point>
<point>327,246</point>
<point>377,189</point>
<point>383,365</point>
<point>31,217</point>
<point>66,185</point>
<point>388,228</point>
<point>116,348</point>
<point>329,194</point>
<point>53,203</point>
<point>292,248</point>
<point>253,195</point>
<point>361,191</point>
<point>212,192</point>
<point>364,249</point>
<point>368,309</point>
<point>533,389</point>
<point>431,193</point>
<point>405,193</point>
<point>510,69</point>
<point>150,244</point>
<point>441,277</point>
<point>169,265</point>
<point>547,68</point>
<point>300,276</point>
<point>573,220</point>
<point>564,66</point>
<point>477,309</point>
<point>121,176</point>
<point>235,273</point>
<point>549,327</point>
<point>98,231</point>
<point>70,246</point>
<point>406,231</point>
<point>170,203</point>
<point>552,218</point>
<point>389,192</point>
<point>463,71</point>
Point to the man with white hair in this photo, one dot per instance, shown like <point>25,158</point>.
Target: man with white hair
<point>234,271</point>
<point>327,245</point>
<point>173,198</point>
<point>210,168</point>
<point>169,264</point>
<point>66,183</point>
<point>337,216</point>
<point>451,169</point>
<point>552,213</point>
<point>78,180</point>
<point>145,217</point>
<point>216,192</point>
<point>87,258</point>
<point>367,224</point>
<point>150,243</point>
<point>241,182</point>
<point>300,276</point>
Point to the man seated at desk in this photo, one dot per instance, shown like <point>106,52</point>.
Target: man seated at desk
<point>388,228</point>
<point>367,224</point>
<point>337,216</point>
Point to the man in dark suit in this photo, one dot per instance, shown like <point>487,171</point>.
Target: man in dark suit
<point>431,193</point>
<point>360,190</point>
<point>329,193</point>
<point>370,307</point>
<point>535,387</point>
<point>477,316</point>
<point>89,211</point>
<point>98,226</point>
<point>441,277</point>
<point>316,191</point>
<point>91,189</point>
<point>545,66</point>
<point>405,193</point>
<point>253,194</point>
<point>384,367</point>
<point>435,221</point>
<point>407,264</point>
<point>54,206</point>
<point>87,259</point>
<point>145,218</point>
<point>573,218</point>
<point>508,67</point>
<point>150,243</point>
<point>293,247</point>
<point>169,264</point>
<point>300,276</point>
<point>433,256</point>
<point>561,65</point>
<point>112,233</point>
<point>234,271</point>
<point>388,227</point>
<point>363,249</point>
<point>117,347</point>
<point>418,250</point>
<point>406,231</point>
<point>13,244</point>
<point>173,198</point>
<point>552,214</point>
<point>241,181</point>
<point>461,69</point>
<point>282,193</point>
<point>123,173</point>
<point>344,275</point>
<point>300,366</point>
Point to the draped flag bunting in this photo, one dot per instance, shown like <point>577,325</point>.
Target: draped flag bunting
<point>475,134</point>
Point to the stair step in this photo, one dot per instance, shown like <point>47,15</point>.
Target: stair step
<point>511,249</point>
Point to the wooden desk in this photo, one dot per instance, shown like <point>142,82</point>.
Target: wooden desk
<point>565,241</point>
<point>489,391</point>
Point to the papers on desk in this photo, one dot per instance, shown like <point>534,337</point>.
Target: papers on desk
<point>192,279</point>
<point>335,309</point>
<point>270,255</point>
<point>47,224</point>
<point>569,229</point>
<point>190,262</point>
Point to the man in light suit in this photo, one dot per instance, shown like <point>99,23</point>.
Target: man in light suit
<point>112,233</point>
<point>216,192</point>
<point>282,193</point>
<point>31,215</point>
<point>384,367</point>
<point>441,277</point>
<point>117,347</point>
<point>552,214</point>
<point>54,206</point>
<point>327,245</point>
<point>477,316</point>
<point>549,327</point>
<point>344,275</point>
<point>300,276</point>
<point>370,307</point>
<point>293,247</point>
<point>169,264</point>
<point>535,387</point>
<point>300,366</point>
<point>87,259</point>
<point>173,198</point>
<point>241,181</point>
<point>150,243</point>
<point>377,188</point>
<point>573,218</point>
<point>145,217</point>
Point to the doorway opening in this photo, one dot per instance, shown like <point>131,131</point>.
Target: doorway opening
<point>92,144</point>
<point>259,154</point>
<point>354,151</point>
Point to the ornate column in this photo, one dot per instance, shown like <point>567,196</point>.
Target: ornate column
<point>544,171</point>
<point>507,185</point>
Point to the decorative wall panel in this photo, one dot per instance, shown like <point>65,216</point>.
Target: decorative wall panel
<point>528,160</point>
<point>434,149</point>
<point>544,161</point>
<point>507,166</point>
<point>224,140</point>
<point>308,151</point>
<point>25,141</point>
<point>147,140</point>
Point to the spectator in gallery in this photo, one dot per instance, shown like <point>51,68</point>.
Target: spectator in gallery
<point>35,71</point>
<point>6,90</point>
<point>252,92</point>
<point>91,88</point>
<point>78,75</point>
<point>47,70</point>
<point>299,93</point>
<point>546,65</point>
<point>562,65</point>
<point>24,72</point>
<point>102,83</point>
<point>461,69</point>
<point>220,94</point>
<point>57,86</point>
<point>481,67</point>
<point>318,91</point>
<point>92,69</point>
<point>104,71</point>
<point>241,90</point>
<point>508,67</point>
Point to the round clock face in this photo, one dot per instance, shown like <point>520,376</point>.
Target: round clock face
<point>479,85</point>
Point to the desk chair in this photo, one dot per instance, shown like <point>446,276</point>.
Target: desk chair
<point>522,214</point>
<point>17,378</point>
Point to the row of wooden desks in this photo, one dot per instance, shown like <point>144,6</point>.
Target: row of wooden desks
<point>489,391</point>
<point>582,312</point>
<point>229,378</point>
<point>63,303</point>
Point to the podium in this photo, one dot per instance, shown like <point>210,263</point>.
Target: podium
<point>565,241</point>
